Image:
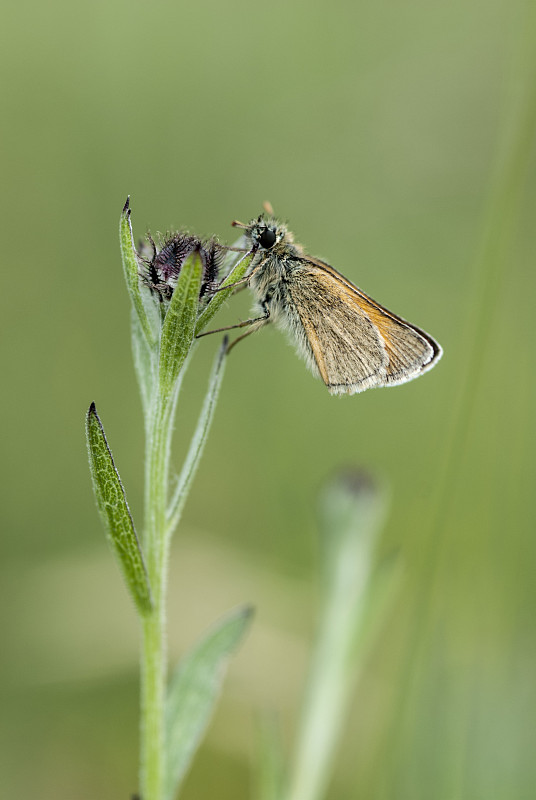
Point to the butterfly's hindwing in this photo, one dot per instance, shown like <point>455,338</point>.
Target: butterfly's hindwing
<point>355,343</point>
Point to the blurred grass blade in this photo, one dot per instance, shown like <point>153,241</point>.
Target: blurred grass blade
<point>115,513</point>
<point>219,297</point>
<point>351,514</point>
<point>379,602</point>
<point>130,268</point>
<point>179,323</point>
<point>198,440</point>
<point>271,761</point>
<point>193,691</point>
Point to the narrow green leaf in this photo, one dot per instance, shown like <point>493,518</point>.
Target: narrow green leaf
<point>198,440</point>
<point>130,269</point>
<point>379,602</point>
<point>179,323</point>
<point>145,362</point>
<point>115,512</point>
<point>219,297</point>
<point>352,512</point>
<point>193,691</point>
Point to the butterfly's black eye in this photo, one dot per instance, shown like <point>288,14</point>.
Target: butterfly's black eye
<point>267,238</point>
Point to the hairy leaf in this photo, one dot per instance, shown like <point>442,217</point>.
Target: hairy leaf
<point>115,512</point>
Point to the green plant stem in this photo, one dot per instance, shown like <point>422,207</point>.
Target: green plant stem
<point>154,645</point>
<point>152,765</point>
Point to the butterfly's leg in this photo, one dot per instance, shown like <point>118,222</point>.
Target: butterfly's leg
<point>245,280</point>
<point>260,320</point>
<point>231,285</point>
<point>241,288</point>
<point>258,323</point>
<point>213,287</point>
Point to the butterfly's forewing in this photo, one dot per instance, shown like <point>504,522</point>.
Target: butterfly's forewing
<point>356,343</point>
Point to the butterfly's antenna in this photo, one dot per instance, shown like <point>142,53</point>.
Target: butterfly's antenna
<point>236,224</point>
<point>234,249</point>
<point>268,208</point>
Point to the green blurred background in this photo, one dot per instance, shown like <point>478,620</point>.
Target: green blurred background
<point>397,140</point>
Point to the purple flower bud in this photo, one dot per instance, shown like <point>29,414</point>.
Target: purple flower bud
<point>161,272</point>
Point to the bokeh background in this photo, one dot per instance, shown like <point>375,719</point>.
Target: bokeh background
<point>397,140</point>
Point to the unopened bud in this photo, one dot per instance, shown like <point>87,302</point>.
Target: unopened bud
<point>160,273</point>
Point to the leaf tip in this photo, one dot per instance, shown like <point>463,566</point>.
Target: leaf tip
<point>248,611</point>
<point>92,417</point>
<point>357,481</point>
<point>126,207</point>
<point>243,617</point>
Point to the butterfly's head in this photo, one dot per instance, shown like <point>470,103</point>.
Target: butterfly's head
<point>266,233</point>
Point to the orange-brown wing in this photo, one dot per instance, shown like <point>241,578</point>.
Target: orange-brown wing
<point>355,342</point>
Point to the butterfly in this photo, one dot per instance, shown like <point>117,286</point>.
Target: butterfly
<point>345,337</point>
